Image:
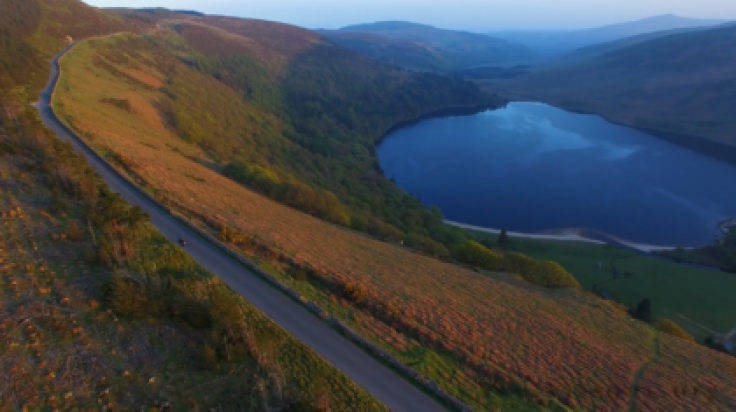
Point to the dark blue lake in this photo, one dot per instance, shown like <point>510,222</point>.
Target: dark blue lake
<point>535,168</point>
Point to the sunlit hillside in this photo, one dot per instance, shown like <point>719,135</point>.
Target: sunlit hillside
<point>489,338</point>
<point>91,303</point>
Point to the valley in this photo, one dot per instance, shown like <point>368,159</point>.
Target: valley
<point>309,280</point>
<point>387,292</point>
<point>100,310</point>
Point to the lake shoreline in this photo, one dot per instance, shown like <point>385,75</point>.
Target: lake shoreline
<point>422,140</point>
<point>570,235</point>
<point>440,114</point>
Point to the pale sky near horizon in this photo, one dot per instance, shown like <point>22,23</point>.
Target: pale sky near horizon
<point>458,14</point>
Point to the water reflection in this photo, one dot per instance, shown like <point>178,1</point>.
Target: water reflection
<point>532,167</point>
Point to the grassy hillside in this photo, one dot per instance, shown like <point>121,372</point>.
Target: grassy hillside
<point>490,338</point>
<point>60,18</point>
<point>32,30</point>
<point>315,113</point>
<point>421,47</point>
<point>680,84</point>
<point>408,54</point>
<point>699,300</point>
<point>82,325</point>
<point>93,296</point>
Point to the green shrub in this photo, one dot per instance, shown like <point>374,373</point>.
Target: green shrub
<point>195,313</point>
<point>473,253</point>
<point>353,292</point>
<point>551,275</point>
<point>427,245</point>
<point>299,275</point>
<point>128,298</point>
<point>518,263</point>
<point>543,273</point>
<point>138,296</point>
<point>671,328</point>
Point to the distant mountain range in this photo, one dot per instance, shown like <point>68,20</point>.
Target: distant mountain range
<point>552,43</point>
<point>422,47</point>
<point>680,83</point>
<point>602,48</point>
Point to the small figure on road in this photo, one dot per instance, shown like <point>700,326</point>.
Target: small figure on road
<point>182,242</point>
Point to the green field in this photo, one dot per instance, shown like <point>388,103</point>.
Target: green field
<point>704,297</point>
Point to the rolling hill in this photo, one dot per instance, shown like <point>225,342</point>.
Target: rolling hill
<point>193,111</point>
<point>561,42</point>
<point>602,48</point>
<point>680,86</point>
<point>93,295</point>
<point>422,47</point>
<point>324,105</point>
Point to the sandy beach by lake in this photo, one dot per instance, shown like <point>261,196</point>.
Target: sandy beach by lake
<point>570,236</point>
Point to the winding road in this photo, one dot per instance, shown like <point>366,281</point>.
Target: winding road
<point>383,383</point>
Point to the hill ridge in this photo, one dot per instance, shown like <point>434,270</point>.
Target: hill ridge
<point>483,317</point>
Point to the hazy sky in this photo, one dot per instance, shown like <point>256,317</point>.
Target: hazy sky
<point>460,14</point>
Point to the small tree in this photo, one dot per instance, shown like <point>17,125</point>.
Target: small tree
<point>643,310</point>
<point>473,253</point>
<point>503,240</point>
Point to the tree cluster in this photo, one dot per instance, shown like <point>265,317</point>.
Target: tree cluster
<point>307,138</point>
<point>544,273</point>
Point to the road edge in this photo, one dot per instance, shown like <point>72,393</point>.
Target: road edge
<point>412,376</point>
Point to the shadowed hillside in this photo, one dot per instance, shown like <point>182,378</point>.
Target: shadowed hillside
<point>680,84</point>
<point>421,47</point>
<point>325,106</point>
<point>396,52</point>
<point>602,48</point>
<point>559,43</point>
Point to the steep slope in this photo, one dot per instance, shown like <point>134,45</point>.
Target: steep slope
<point>92,295</point>
<point>680,84</point>
<point>18,20</point>
<point>556,43</point>
<point>32,30</point>
<point>60,18</point>
<point>490,338</point>
<point>323,105</point>
<point>423,47</point>
<point>409,54</point>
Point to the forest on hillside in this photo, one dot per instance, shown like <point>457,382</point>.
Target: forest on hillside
<point>308,137</point>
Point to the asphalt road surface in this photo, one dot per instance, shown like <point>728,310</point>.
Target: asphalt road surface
<point>380,381</point>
